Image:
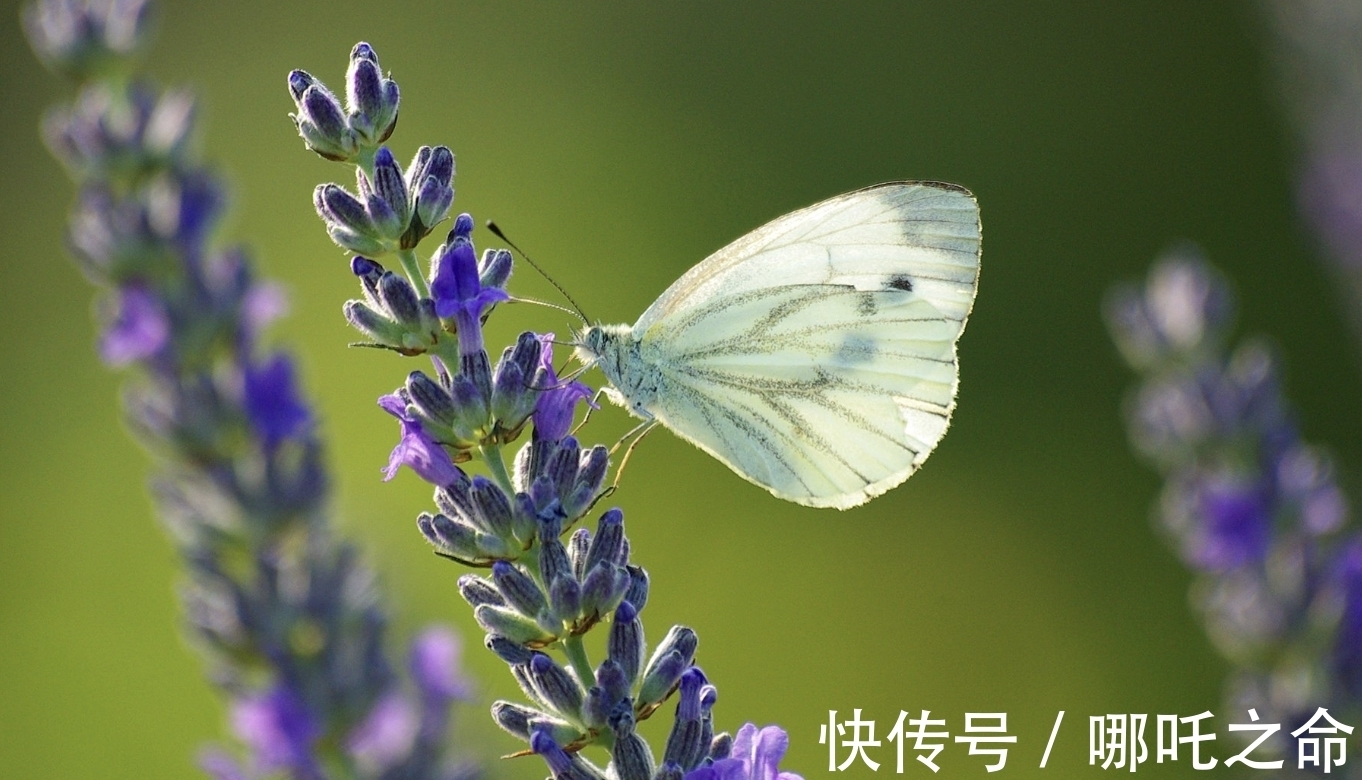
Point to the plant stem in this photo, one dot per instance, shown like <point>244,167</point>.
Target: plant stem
<point>576,654</point>
<point>413,269</point>
<point>492,454</point>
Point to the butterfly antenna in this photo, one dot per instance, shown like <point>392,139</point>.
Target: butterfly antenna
<point>537,302</point>
<point>492,226</point>
<point>563,381</point>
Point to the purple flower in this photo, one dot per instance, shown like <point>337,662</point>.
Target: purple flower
<point>386,735</point>
<point>756,756</point>
<point>262,304</point>
<point>278,728</point>
<point>1236,525</point>
<point>456,289</point>
<point>139,331</point>
<point>416,450</point>
<point>435,664</point>
<point>220,766</point>
<point>272,402</point>
<point>554,408</point>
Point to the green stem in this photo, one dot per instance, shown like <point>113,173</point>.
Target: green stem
<point>492,454</point>
<point>413,269</point>
<point>576,654</point>
<point>365,161</point>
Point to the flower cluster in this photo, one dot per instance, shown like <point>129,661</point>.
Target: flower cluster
<point>286,614</point>
<point>549,581</point>
<point>1253,509</point>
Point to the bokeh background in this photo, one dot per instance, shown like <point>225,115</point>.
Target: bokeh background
<point>619,144</point>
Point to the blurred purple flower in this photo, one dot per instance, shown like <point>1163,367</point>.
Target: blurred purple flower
<point>221,766</point>
<point>1236,525</point>
<point>386,735</point>
<point>139,331</point>
<point>272,401</point>
<point>416,449</point>
<point>435,664</point>
<point>263,303</point>
<point>555,407</point>
<point>278,728</point>
<point>756,755</point>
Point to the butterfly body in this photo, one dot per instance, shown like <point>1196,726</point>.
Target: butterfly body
<point>816,355</point>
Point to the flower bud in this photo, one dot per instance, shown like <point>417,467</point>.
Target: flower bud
<point>625,644</point>
<point>578,545</point>
<point>515,718</point>
<point>553,560</point>
<point>512,625</point>
<point>374,325</point>
<point>608,543</point>
<point>612,680</point>
<point>556,686</point>
<point>632,758</point>
<point>603,589</point>
<point>686,743</point>
<point>372,99</point>
<point>478,591</point>
<point>637,593</point>
<point>565,597</point>
<point>495,268</point>
<point>511,652</point>
<point>721,747</point>
<point>519,590</point>
<point>671,658</point>
<point>347,221</point>
<point>561,764</point>
<point>399,298</point>
<point>561,467</point>
<point>320,119</point>
<point>590,475</point>
<point>369,272</point>
<point>430,178</point>
<point>390,190</point>
<point>431,400</point>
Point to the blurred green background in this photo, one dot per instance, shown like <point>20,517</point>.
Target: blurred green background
<point>619,144</point>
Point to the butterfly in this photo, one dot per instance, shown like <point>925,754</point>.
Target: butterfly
<point>815,356</point>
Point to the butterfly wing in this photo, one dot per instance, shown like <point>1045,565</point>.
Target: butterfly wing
<point>816,356</point>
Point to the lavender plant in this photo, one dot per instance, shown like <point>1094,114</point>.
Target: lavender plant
<point>287,616</point>
<point>1254,510</point>
<point>548,580</point>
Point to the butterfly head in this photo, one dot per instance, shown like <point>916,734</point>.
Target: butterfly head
<point>587,345</point>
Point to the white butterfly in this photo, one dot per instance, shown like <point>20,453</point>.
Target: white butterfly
<point>814,356</point>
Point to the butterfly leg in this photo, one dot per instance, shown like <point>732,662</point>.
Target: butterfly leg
<point>590,407</point>
<point>642,429</point>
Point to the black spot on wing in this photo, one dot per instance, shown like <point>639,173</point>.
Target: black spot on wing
<point>900,282</point>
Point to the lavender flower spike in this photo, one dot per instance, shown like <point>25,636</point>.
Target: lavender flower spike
<point>1252,508</point>
<point>546,590</point>
<point>285,614</point>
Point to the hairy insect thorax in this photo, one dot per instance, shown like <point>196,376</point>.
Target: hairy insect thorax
<point>615,350</point>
